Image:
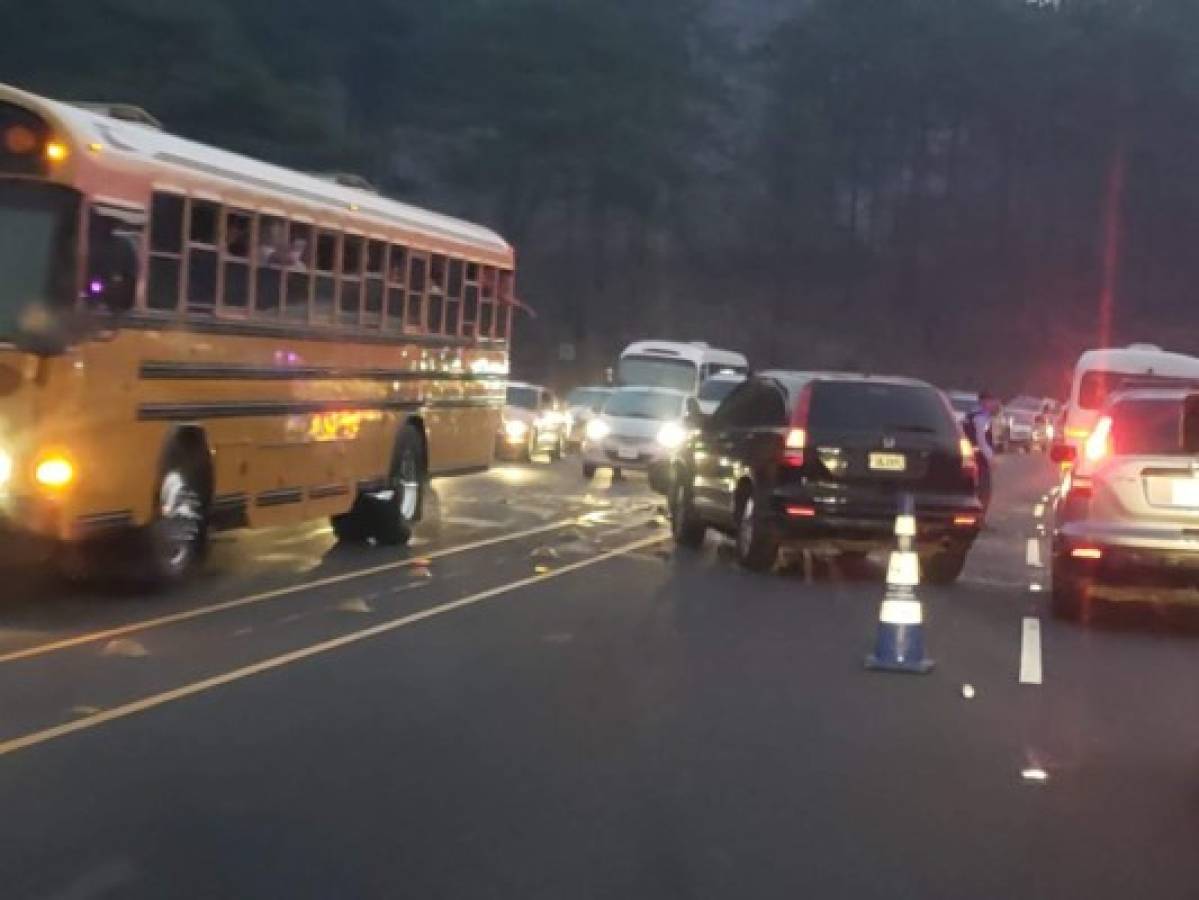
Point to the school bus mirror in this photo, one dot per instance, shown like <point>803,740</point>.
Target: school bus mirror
<point>1190,424</point>
<point>40,331</point>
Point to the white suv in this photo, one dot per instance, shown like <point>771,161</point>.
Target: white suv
<point>1127,523</point>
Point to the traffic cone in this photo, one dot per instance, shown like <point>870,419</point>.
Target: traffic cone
<point>899,646</point>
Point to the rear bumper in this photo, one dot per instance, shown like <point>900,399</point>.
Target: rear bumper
<point>1132,564</point>
<point>847,523</point>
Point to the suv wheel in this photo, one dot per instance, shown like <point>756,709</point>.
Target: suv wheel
<point>945,566</point>
<point>686,527</point>
<point>1068,597</point>
<point>757,547</point>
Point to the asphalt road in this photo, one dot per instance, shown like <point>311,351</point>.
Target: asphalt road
<point>543,699</point>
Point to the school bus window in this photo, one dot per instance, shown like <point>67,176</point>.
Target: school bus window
<point>486,318</point>
<point>416,294</point>
<point>397,278</point>
<point>375,251</point>
<point>202,255</point>
<point>504,298</point>
<point>453,301</point>
<point>166,251</point>
<point>235,273</point>
<point>299,272</point>
<point>372,304</point>
<point>113,260</point>
<point>271,253</point>
<point>166,224</point>
<point>350,305</point>
<point>470,311</point>
<point>435,314</point>
<point>326,276</point>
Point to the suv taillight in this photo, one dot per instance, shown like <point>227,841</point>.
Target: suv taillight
<point>969,463</point>
<point>797,434</point>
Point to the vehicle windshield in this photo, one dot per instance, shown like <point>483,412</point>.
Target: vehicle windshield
<point>717,389</point>
<point>849,406</point>
<point>1096,386</point>
<point>36,250</point>
<point>1147,427</point>
<point>1025,404</point>
<point>962,403</point>
<point>590,398</point>
<point>650,371</point>
<point>523,397</point>
<point>644,405</point>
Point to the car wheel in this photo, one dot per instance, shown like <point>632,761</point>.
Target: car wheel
<point>757,547</point>
<point>588,470</point>
<point>945,566</point>
<point>686,527</point>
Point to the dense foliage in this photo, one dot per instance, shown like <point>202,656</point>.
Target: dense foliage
<point>972,190</point>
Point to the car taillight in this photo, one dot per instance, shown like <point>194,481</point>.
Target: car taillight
<point>1099,444</point>
<point>797,435</point>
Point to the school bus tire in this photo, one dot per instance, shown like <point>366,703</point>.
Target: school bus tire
<point>175,541</point>
<point>389,516</point>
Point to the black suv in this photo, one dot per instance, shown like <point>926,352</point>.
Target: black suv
<point>821,460</point>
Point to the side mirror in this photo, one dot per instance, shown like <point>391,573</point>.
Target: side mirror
<point>41,332</point>
<point>1063,453</point>
<point>693,416</point>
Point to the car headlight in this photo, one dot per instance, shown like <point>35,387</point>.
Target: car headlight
<point>516,429</point>
<point>671,435</point>
<point>5,467</point>
<point>597,430</point>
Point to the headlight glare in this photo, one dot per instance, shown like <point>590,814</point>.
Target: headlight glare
<point>597,429</point>
<point>671,435</point>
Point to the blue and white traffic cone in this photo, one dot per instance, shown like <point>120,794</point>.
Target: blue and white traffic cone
<point>900,643</point>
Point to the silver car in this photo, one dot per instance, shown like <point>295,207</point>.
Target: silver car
<point>582,404</point>
<point>639,427</point>
<point>1127,522</point>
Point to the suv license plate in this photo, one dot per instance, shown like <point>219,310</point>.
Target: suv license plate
<point>626,452</point>
<point>1185,492</point>
<point>888,462</point>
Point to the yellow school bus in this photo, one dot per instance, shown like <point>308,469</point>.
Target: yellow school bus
<point>193,340</point>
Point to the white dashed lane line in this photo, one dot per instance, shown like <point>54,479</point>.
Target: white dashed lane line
<point>1033,554</point>
<point>1030,651</point>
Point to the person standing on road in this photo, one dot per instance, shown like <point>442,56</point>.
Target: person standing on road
<point>978,428</point>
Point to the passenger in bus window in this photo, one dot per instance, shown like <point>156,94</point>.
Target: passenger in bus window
<point>272,247</point>
<point>297,256</point>
<point>237,238</point>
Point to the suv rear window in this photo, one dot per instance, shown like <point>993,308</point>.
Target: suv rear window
<point>1149,427</point>
<point>865,406</point>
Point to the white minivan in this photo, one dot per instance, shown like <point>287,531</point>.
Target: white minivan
<point>676,366</point>
<point>1101,373</point>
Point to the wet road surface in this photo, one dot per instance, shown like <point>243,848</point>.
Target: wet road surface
<point>542,698</point>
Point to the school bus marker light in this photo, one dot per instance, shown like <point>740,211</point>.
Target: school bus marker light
<point>54,472</point>
<point>56,151</point>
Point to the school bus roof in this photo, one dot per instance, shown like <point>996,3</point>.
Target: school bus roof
<point>88,125</point>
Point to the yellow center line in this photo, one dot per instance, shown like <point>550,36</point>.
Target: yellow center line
<point>274,594</point>
<point>277,662</point>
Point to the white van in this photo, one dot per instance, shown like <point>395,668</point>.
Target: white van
<point>1100,373</point>
<point>677,366</point>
